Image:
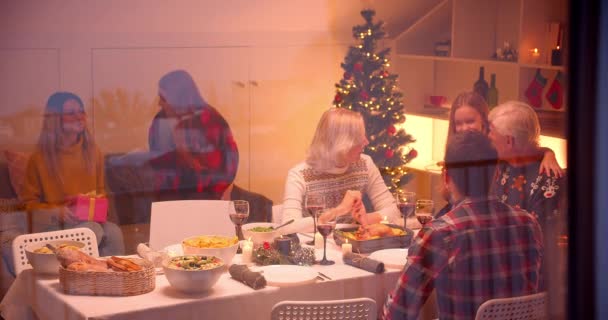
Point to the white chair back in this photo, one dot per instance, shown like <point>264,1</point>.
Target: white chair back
<point>172,221</point>
<point>84,235</point>
<point>531,307</point>
<point>277,213</point>
<point>359,308</point>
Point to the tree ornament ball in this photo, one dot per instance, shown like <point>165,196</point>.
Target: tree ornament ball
<point>391,130</point>
<point>384,73</point>
<point>364,95</point>
<point>347,75</point>
<point>338,98</point>
<point>413,154</point>
<point>358,67</point>
<point>389,153</point>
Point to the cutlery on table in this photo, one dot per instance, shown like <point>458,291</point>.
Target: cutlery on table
<point>324,276</point>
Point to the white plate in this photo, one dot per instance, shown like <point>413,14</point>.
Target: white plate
<point>392,258</point>
<point>287,275</point>
<point>346,225</point>
<point>174,250</point>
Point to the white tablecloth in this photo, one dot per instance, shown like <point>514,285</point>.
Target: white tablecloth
<point>228,299</point>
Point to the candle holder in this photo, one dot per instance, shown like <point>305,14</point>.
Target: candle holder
<point>283,245</point>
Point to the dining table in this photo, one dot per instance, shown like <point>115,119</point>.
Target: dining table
<point>229,299</point>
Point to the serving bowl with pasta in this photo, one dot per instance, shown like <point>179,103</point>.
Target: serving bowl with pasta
<point>208,245</point>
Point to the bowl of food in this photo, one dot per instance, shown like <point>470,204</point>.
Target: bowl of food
<point>43,259</point>
<point>260,232</point>
<point>193,273</point>
<point>217,246</point>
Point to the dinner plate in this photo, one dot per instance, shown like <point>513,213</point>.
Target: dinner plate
<point>287,275</point>
<point>346,225</point>
<point>174,250</point>
<point>392,258</point>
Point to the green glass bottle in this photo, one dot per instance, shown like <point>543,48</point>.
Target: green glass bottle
<point>492,92</point>
<point>481,85</point>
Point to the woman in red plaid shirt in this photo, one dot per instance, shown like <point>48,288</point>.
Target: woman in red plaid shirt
<point>197,156</point>
<point>480,250</point>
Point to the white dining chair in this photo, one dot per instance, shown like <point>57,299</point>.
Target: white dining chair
<point>84,235</point>
<point>359,308</point>
<point>172,221</point>
<point>530,307</point>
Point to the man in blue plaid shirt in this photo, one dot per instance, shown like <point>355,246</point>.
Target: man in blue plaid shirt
<point>482,249</point>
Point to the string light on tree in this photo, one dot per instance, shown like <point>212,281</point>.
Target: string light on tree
<point>375,96</point>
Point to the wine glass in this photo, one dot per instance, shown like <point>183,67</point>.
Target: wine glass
<point>406,202</point>
<point>239,212</point>
<point>314,204</point>
<point>325,229</point>
<point>424,211</point>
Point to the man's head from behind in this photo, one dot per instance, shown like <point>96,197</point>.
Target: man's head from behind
<point>470,164</point>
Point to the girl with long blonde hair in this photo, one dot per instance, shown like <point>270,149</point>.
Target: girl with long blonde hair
<point>65,164</point>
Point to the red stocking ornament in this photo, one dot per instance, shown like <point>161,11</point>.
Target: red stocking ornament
<point>534,93</point>
<point>555,95</point>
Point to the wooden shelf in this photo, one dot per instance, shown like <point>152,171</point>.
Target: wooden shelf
<point>541,66</point>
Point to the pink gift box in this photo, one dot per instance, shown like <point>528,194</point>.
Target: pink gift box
<point>87,208</point>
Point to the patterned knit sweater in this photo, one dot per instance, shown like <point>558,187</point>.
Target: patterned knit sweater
<point>362,175</point>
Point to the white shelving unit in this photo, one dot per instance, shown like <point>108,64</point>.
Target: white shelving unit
<point>475,29</point>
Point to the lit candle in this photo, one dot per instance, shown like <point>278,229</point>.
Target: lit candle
<point>384,220</point>
<point>247,251</point>
<point>347,247</point>
<point>318,241</point>
<point>535,55</point>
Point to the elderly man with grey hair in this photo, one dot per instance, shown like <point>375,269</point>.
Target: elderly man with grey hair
<point>515,131</point>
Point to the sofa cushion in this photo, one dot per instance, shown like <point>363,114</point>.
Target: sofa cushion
<point>17,164</point>
<point>6,188</point>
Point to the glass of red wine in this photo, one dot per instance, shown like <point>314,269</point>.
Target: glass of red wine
<point>239,212</point>
<point>325,229</point>
<point>314,204</point>
<point>406,202</point>
<point>424,211</point>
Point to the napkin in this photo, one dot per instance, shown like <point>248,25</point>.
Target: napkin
<point>364,263</point>
<point>145,252</point>
<point>242,273</point>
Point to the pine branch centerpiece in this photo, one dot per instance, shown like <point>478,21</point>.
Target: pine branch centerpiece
<point>369,88</point>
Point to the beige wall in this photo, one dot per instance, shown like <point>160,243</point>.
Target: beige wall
<point>268,66</point>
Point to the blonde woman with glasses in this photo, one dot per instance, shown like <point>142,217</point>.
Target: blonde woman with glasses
<point>336,168</point>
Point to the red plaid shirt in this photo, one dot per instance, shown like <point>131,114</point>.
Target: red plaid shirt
<point>209,157</point>
<point>480,250</point>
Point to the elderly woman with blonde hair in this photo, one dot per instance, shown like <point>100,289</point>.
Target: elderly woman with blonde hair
<point>336,169</point>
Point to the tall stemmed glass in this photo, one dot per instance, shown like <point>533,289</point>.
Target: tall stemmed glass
<point>424,211</point>
<point>314,204</point>
<point>325,229</point>
<point>406,202</point>
<point>239,212</point>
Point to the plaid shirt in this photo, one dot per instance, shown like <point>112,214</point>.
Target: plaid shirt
<point>208,160</point>
<point>480,250</point>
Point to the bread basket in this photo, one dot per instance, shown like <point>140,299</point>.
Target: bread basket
<point>109,283</point>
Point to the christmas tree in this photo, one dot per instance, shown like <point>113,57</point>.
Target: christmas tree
<point>367,87</point>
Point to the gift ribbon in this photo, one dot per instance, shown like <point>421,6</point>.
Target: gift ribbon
<point>91,208</point>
